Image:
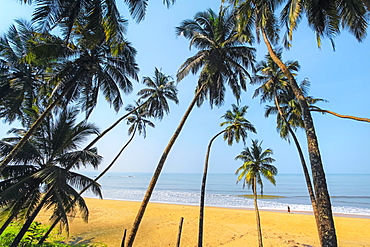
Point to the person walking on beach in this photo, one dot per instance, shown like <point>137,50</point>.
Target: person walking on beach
<point>288,209</point>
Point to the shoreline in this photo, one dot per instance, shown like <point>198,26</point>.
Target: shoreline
<point>361,216</point>
<point>228,227</point>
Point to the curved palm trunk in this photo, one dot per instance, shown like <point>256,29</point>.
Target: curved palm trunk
<point>33,128</point>
<point>259,231</point>
<point>342,116</point>
<point>328,236</point>
<point>148,194</point>
<point>304,167</point>
<point>42,240</point>
<point>203,191</point>
<point>30,219</point>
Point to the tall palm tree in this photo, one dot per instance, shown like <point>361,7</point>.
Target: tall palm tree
<point>94,63</point>
<point>236,129</point>
<point>256,164</point>
<point>222,59</point>
<point>289,115</point>
<point>39,176</point>
<point>265,24</point>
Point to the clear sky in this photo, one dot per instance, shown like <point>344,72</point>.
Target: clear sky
<point>341,77</point>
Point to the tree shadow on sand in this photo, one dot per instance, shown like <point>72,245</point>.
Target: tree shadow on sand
<point>80,241</point>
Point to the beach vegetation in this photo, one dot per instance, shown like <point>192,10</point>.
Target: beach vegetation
<point>222,60</point>
<point>256,164</point>
<point>32,236</point>
<point>236,129</point>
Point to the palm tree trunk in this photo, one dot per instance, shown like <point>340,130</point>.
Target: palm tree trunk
<point>56,221</point>
<point>30,219</point>
<point>7,222</point>
<point>342,116</point>
<point>114,125</point>
<point>259,231</point>
<point>33,128</point>
<point>328,236</point>
<point>203,191</point>
<point>70,165</point>
<point>304,166</point>
<point>158,170</point>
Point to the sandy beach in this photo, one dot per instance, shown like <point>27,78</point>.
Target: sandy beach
<point>223,226</point>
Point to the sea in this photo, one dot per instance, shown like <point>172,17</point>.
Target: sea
<point>350,193</point>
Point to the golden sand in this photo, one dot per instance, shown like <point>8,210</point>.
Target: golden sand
<point>222,226</point>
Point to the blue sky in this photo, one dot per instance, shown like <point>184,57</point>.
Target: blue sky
<point>341,77</point>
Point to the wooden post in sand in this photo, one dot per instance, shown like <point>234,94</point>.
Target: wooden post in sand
<point>124,238</point>
<point>180,230</point>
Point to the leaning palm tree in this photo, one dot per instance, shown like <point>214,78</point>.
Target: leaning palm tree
<point>236,129</point>
<point>94,63</point>
<point>222,59</point>
<point>289,116</point>
<point>154,98</point>
<point>265,24</point>
<point>38,176</point>
<point>256,164</point>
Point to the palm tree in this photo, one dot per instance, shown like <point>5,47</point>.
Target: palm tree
<point>39,176</point>
<point>289,115</point>
<point>138,125</point>
<point>21,82</point>
<point>222,60</point>
<point>159,88</point>
<point>265,25</point>
<point>327,18</point>
<point>95,63</point>
<point>154,98</point>
<point>256,163</point>
<point>236,128</point>
<point>51,13</point>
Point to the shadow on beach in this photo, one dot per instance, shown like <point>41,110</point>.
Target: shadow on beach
<point>79,241</point>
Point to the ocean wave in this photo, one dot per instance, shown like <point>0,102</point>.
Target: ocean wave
<point>221,200</point>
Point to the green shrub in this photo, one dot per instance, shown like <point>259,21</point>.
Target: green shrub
<point>33,235</point>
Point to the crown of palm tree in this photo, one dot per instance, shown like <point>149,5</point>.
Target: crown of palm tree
<point>21,82</point>
<point>137,120</point>
<point>222,57</point>
<point>159,88</point>
<point>237,124</point>
<point>256,163</point>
